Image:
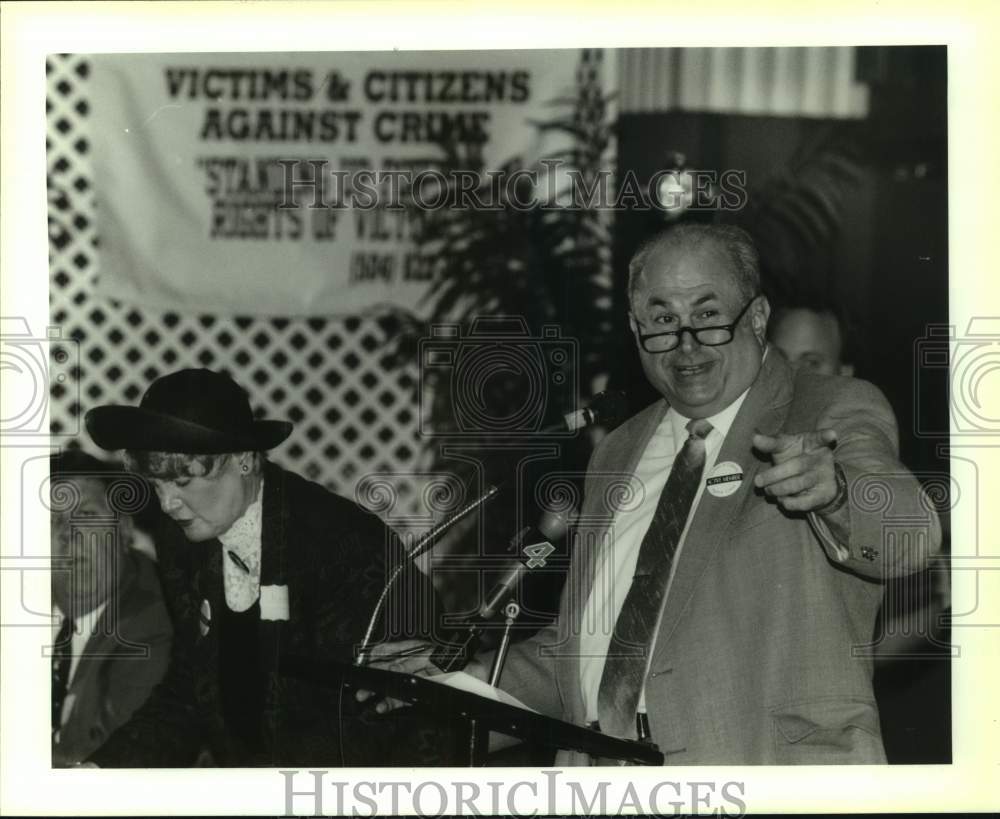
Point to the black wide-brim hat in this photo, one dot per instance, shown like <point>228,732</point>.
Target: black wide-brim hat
<point>193,411</point>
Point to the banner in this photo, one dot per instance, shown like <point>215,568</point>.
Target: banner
<point>263,184</point>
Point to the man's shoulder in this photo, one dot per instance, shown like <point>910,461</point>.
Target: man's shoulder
<point>141,603</point>
<point>840,389</point>
<point>628,433</point>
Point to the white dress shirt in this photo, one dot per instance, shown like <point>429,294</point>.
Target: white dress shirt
<point>616,563</point>
<point>243,539</point>
<point>83,629</point>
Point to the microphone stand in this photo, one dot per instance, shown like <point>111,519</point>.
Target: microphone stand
<point>425,543</point>
<point>607,407</point>
<point>455,656</point>
<point>511,610</point>
<point>478,738</point>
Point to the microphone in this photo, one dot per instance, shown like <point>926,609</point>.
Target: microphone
<point>431,538</point>
<point>423,545</point>
<point>607,408</point>
<point>532,545</point>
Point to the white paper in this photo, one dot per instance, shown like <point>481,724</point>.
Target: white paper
<point>466,682</point>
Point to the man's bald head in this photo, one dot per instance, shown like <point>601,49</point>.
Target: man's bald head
<point>811,338</point>
<point>698,318</point>
<point>730,241</point>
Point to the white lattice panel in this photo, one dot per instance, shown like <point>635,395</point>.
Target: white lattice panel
<point>353,413</point>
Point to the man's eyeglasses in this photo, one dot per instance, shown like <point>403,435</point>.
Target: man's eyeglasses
<point>714,336</point>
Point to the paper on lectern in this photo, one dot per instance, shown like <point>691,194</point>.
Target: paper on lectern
<point>473,685</point>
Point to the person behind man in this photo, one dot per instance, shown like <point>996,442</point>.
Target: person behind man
<point>911,659</point>
<point>265,573</point>
<point>812,337</point>
<point>718,614</point>
<point>113,632</point>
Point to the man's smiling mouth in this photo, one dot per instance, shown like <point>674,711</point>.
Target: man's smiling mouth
<point>692,370</point>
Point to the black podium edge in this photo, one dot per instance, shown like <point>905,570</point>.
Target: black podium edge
<point>489,714</point>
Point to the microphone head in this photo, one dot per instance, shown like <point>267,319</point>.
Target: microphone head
<point>609,408</point>
<point>554,524</point>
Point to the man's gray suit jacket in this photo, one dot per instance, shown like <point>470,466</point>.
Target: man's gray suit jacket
<point>760,655</point>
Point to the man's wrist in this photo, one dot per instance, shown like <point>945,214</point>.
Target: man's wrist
<point>840,498</point>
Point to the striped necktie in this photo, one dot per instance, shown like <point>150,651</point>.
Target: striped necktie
<point>629,650</point>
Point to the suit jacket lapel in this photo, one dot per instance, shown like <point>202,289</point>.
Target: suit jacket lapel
<point>85,687</point>
<point>85,726</point>
<point>595,524</point>
<point>107,638</point>
<point>764,409</point>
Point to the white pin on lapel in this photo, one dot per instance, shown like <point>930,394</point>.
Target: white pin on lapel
<point>274,602</point>
<point>724,479</point>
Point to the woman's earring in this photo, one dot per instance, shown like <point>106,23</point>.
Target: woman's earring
<point>245,468</point>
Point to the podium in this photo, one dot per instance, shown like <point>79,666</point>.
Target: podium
<point>480,713</point>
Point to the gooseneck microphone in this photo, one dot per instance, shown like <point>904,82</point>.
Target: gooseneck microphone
<point>607,408</point>
<point>532,545</point>
<point>421,546</point>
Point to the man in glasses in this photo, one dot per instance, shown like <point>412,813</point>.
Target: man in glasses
<point>713,609</point>
<point>736,608</point>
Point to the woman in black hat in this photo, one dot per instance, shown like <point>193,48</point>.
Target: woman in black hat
<point>262,570</point>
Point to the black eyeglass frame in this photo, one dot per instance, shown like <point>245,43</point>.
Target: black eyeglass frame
<point>695,331</point>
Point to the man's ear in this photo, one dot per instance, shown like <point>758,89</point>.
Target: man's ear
<point>759,315</point>
<point>633,325</point>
